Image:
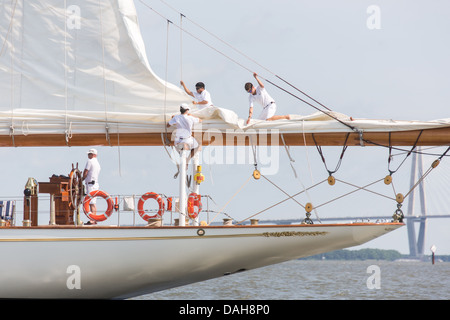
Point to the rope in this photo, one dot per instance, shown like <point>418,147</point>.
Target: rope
<point>289,155</point>
<point>254,153</point>
<point>118,150</point>
<point>346,194</point>
<point>181,45</point>
<point>166,138</point>
<point>280,202</point>
<point>391,172</point>
<point>279,188</point>
<point>105,98</point>
<point>11,127</point>
<point>242,54</point>
<point>235,194</point>
<point>68,135</point>
<point>8,32</point>
<point>251,71</point>
<point>433,165</point>
<point>198,39</point>
<point>338,165</point>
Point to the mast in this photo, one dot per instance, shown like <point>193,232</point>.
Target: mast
<point>182,190</point>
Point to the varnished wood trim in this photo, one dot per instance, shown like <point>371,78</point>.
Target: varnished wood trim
<point>429,137</point>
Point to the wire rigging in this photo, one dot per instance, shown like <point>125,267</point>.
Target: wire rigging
<point>243,54</point>
<point>245,67</point>
<point>327,112</point>
<point>166,136</point>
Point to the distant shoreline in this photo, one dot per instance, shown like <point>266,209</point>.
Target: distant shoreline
<point>372,254</point>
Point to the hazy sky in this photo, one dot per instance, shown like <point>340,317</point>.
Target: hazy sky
<point>389,62</point>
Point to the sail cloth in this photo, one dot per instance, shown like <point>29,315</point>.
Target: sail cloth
<point>83,70</point>
<point>84,63</point>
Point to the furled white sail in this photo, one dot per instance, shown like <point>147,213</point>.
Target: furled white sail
<point>76,61</point>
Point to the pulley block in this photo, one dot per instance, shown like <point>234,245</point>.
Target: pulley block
<point>331,180</point>
<point>388,180</point>
<point>308,207</point>
<point>256,174</point>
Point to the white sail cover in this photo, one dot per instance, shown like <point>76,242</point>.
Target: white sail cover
<point>80,66</point>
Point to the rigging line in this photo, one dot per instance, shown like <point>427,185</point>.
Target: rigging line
<point>288,83</point>
<point>405,151</point>
<point>276,186</point>
<point>289,156</point>
<point>422,148</point>
<point>310,170</point>
<point>364,188</point>
<point>280,202</point>
<point>105,99</point>
<point>166,138</point>
<point>118,150</point>
<point>422,178</point>
<point>65,72</point>
<point>181,45</point>
<point>255,157</point>
<point>11,127</point>
<point>346,194</point>
<point>216,37</point>
<point>13,12</point>
<point>306,150</point>
<point>418,181</point>
<point>198,39</point>
<point>315,107</point>
<point>391,172</point>
<point>243,54</point>
<point>444,154</point>
<point>249,70</point>
<point>338,165</point>
<point>234,195</point>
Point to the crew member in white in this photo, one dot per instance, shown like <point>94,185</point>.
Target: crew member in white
<point>260,95</point>
<point>184,123</point>
<point>201,95</point>
<point>90,176</point>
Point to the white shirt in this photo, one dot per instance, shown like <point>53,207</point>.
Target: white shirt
<point>184,124</point>
<point>261,96</point>
<point>93,168</point>
<point>204,96</point>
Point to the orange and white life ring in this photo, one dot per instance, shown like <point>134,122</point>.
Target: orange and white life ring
<point>169,203</point>
<point>87,208</point>
<point>194,205</point>
<point>150,195</point>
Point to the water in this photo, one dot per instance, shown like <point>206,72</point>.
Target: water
<point>311,279</point>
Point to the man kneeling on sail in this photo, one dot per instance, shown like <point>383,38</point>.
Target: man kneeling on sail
<point>184,123</point>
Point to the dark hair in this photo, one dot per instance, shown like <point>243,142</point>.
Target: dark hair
<point>248,86</point>
<point>200,85</point>
<point>183,110</point>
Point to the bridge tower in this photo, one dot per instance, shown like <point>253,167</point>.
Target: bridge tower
<point>416,247</point>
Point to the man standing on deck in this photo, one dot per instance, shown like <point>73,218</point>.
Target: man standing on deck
<point>90,176</point>
<point>184,123</point>
<point>260,95</point>
<point>201,95</point>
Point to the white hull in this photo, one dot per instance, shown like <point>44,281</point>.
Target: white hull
<point>111,262</point>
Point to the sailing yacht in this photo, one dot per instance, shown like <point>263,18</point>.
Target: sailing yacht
<point>79,75</point>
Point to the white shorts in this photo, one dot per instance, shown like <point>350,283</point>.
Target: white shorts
<point>191,142</point>
<point>92,187</point>
<point>268,111</point>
